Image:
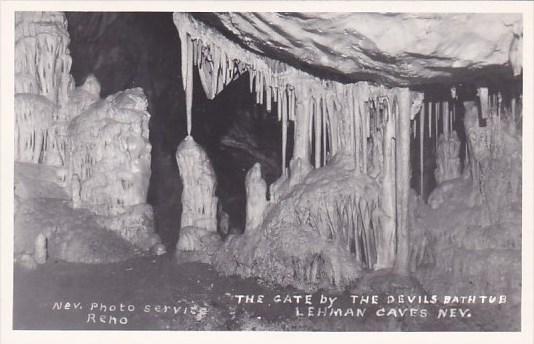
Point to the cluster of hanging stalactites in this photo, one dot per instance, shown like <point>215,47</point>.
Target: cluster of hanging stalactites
<point>328,117</point>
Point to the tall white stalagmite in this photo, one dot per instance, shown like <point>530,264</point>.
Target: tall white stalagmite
<point>199,203</point>
<point>256,189</point>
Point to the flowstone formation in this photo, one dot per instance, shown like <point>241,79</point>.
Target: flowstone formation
<point>110,164</point>
<point>82,163</point>
<point>42,85</point>
<point>448,158</point>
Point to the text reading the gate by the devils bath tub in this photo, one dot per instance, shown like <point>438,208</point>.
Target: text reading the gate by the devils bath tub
<point>380,306</point>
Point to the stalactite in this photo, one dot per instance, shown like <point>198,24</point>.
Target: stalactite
<point>445,116</point>
<point>189,85</point>
<point>291,104</point>
<point>323,122</point>
<point>430,113</point>
<point>414,131</point>
<point>251,81</point>
<point>268,98</point>
<point>364,139</point>
<point>279,104</point>
<point>317,128</point>
<point>421,148</point>
<point>513,107</point>
<point>436,122</point>
<point>284,135</point>
<point>483,95</point>
<point>453,120</point>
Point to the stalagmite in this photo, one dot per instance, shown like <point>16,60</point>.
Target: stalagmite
<point>199,203</point>
<point>40,253</point>
<point>256,190</point>
<point>448,158</point>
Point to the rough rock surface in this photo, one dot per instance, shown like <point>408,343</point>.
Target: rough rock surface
<point>393,48</point>
<point>43,209</point>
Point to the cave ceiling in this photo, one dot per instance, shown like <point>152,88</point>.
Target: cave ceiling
<point>396,49</point>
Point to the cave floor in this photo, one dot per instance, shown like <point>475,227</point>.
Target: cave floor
<point>198,298</point>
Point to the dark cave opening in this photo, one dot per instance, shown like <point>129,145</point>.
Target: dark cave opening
<point>236,133</point>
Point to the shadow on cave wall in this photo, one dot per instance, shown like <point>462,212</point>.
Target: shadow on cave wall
<point>126,50</point>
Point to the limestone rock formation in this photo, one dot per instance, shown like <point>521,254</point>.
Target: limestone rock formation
<point>110,153</point>
<point>71,145</point>
<point>42,85</point>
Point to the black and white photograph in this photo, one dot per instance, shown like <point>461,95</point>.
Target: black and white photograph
<point>334,170</point>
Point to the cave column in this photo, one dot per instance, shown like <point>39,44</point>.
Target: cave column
<point>386,244</point>
<point>404,101</point>
<point>301,148</point>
